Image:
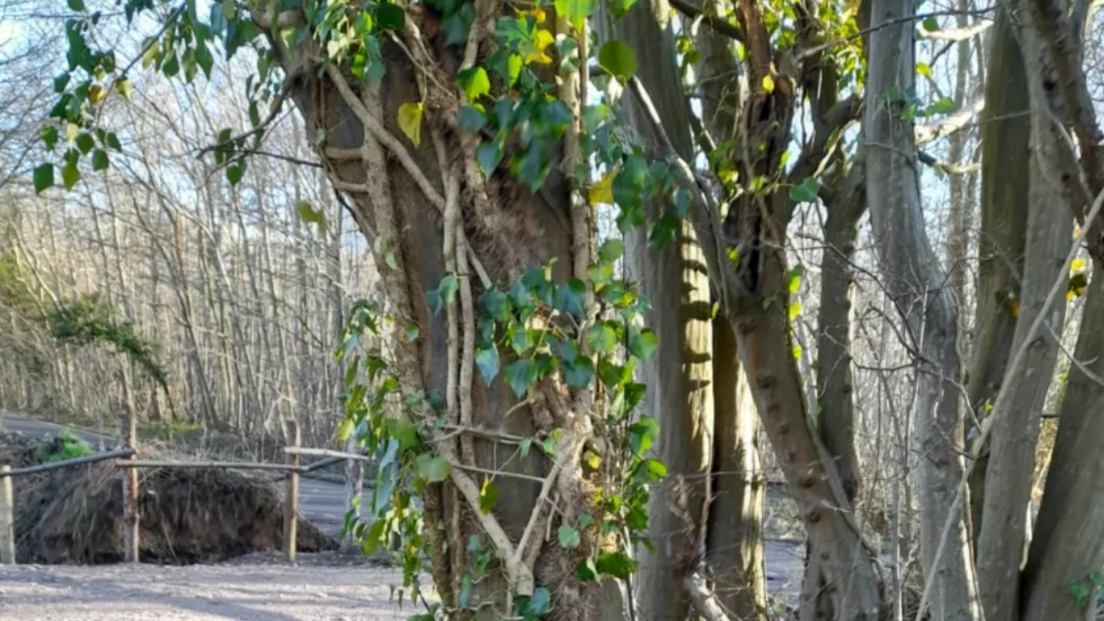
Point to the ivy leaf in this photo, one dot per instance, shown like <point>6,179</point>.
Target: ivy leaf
<point>579,373</point>
<point>310,215</point>
<point>793,278</point>
<point>448,288</point>
<point>50,137</point>
<point>405,431</point>
<point>805,192</point>
<point>611,250</point>
<point>410,120</point>
<point>390,16</point>
<point>576,11</point>
<point>618,58</point>
<point>475,82</point>
<point>76,5</point>
<point>345,429</point>
<point>488,362</point>
<point>569,537</point>
<point>100,160</point>
<point>433,469</point>
<point>642,342</point>
<point>85,142</point>
<point>113,142</point>
<point>931,24</point>
<point>602,192</point>
<point>616,564</point>
<point>488,156</point>
<point>643,434</point>
<point>43,177</point>
<point>70,175</point>
<point>471,118</point>
<point>60,82</point>
<point>488,496</point>
<point>234,175</point>
<point>520,374</point>
<point>601,338</point>
<point>944,106</point>
<point>465,593</point>
<point>586,571</point>
<point>537,605</point>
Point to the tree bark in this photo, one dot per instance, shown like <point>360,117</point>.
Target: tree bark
<point>916,282</point>
<point>680,375</point>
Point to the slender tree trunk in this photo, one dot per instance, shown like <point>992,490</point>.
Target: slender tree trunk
<point>916,282</point>
<point>680,374</point>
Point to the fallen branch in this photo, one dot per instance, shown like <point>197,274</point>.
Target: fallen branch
<point>77,461</point>
<point>125,463</point>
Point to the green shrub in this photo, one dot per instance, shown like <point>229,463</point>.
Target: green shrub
<point>67,446</point>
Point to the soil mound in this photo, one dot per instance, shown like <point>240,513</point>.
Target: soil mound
<point>75,515</point>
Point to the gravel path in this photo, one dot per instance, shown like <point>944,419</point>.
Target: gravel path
<point>252,590</point>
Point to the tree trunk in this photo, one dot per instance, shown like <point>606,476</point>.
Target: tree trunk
<point>1011,467</point>
<point>916,282</point>
<point>734,542</point>
<point>1005,134</point>
<point>680,375</point>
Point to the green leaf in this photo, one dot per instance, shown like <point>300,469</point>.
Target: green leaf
<point>616,564</point>
<point>924,69</point>
<point>465,593</point>
<point>576,11</point>
<point>70,175</point>
<point>944,106</point>
<point>471,118</point>
<point>43,177</point>
<point>538,604</point>
<point>125,89</point>
<point>113,142</point>
<point>433,469</point>
<point>475,83</point>
<point>76,5</point>
<point>345,429</point>
<point>171,67</point>
<point>643,434</point>
<point>579,373</point>
<point>60,82</point>
<point>642,342</point>
<point>488,156</point>
<point>450,284</point>
<point>806,192</point>
<point>618,58</point>
<point>50,137</point>
<point>611,250</point>
<point>234,174</point>
<point>569,537</point>
<point>85,142</point>
<point>100,160</point>
<point>488,362</point>
<point>310,215</point>
<point>586,571</point>
<point>601,338</point>
<point>931,24</point>
<point>405,431</point>
<point>488,496</point>
<point>520,374</point>
<point>513,68</point>
<point>390,16</point>
<point>525,446</point>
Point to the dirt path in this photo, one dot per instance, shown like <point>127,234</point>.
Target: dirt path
<point>249,591</point>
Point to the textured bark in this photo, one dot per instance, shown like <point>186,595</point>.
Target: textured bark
<point>734,546</point>
<point>916,281</point>
<point>734,543</point>
<point>1005,135</point>
<point>1068,540</point>
<point>680,375</point>
<point>1009,475</point>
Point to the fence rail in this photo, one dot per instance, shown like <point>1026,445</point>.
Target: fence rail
<point>127,460</point>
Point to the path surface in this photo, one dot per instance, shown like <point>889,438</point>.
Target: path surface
<point>237,591</point>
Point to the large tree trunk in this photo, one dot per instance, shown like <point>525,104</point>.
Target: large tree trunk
<point>1005,135</point>
<point>680,375</point>
<point>1009,475</point>
<point>916,282</point>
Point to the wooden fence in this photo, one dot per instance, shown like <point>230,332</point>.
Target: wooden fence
<point>127,458</point>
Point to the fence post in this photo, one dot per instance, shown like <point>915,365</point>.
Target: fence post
<point>128,430</point>
<point>7,518</point>
<point>291,503</point>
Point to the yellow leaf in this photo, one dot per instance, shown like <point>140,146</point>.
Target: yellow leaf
<point>410,121</point>
<point>1078,265</point>
<point>768,84</point>
<point>537,13</point>
<point>602,192</point>
<point>536,54</point>
<point>795,310</point>
<point>1076,232</point>
<point>1069,296</point>
<point>96,93</point>
<point>924,69</point>
<point>797,351</point>
<point>1014,307</point>
<point>72,130</point>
